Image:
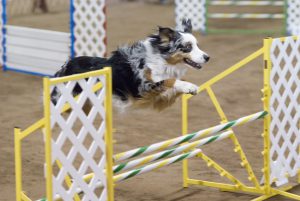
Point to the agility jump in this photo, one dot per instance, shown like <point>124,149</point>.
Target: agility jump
<point>42,52</point>
<point>64,181</point>
<point>200,10</point>
<point>58,157</point>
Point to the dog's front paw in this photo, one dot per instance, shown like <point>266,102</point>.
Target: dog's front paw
<point>187,88</point>
<point>190,88</point>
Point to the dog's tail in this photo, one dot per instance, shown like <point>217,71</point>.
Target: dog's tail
<point>62,71</point>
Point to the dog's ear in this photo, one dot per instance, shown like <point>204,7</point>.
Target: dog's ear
<point>166,34</point>
<point>187,25</point>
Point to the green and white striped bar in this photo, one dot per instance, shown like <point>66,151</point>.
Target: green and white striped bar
<point>245,16</point>
<point>142,170</point>
<point>157,165</point>
<point>170,152</point>
<point>186,138</point>
<point>246,3</point>
<point>154,166</point>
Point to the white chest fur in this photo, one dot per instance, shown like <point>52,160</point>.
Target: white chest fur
<point>167,72</point>
<point>160,69</point>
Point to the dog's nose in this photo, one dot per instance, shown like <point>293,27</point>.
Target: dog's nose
<point>206,58</point>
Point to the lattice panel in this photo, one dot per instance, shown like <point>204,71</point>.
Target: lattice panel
<point>191,9</point>
<point>78,146</point>
<point>293,17</point>
<point>285,109</point>
<point>89,27</point>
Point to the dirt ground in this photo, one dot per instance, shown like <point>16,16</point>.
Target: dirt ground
<point>239,95</point>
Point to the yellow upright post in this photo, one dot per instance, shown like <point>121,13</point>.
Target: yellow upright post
<point>267,119</point>
<point>18,164</point>
<point>184,132</point>
<point>108,136</point>
<point>48,139</point>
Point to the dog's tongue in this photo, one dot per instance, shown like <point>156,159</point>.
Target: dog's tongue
<point>192,63</point>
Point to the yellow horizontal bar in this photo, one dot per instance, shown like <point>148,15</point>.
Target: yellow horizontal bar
<point>37,125</point>
<point>286,194</point>
<point>267,196</point>
<point>229,71</point>
<point>59,80</point>
<point>263,197</point>
<point>212,184</point>
<point>227,187</point>
<point>25,197</point>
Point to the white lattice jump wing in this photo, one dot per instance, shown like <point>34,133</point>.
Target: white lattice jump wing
<point>1,34</point>
<point>285,109</point>
<point>197,11</point>
<point>88,37</point>
<point>191,9</point>
<point>36,50</point>
<point>89,31</point>
<point>78,146</point>
<point>293,17</point>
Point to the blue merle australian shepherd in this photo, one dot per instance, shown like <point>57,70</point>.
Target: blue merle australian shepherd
<point>149,72</point>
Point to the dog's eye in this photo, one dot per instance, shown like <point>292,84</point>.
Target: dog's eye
<point>187,48</point>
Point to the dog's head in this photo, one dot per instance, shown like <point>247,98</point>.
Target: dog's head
<point>179,46</point>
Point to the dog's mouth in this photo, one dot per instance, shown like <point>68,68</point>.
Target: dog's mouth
<point>192,63</point>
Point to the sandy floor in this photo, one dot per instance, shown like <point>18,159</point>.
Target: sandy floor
<point>239,95</point>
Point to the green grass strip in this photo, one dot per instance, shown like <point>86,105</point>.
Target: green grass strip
<point>244,31</point>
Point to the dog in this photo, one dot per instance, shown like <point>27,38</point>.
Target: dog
<point>148,73</point>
